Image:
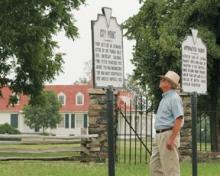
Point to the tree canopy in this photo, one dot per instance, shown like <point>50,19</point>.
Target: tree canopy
<point>160,27</point>
<point>45,113</point>
<point>27,56</point>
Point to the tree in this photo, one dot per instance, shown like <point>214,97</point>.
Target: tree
<point>27,27</point>
<point>142,99</point>
<point>87,74</point>
<point>133,85</point>
<point>44,114</point>
<point>159,28</point>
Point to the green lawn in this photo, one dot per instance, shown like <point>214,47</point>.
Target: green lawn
<point>127,154</point>
<point>204,147</point>
<point>67,168</point>
<point>61,168</point>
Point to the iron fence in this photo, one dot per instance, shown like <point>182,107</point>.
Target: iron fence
<point>134,132</point>
<point>207,131</point>
<point>134,126</point>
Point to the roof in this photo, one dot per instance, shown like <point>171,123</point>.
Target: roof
<point>70,92</point>
<point>4,101</point>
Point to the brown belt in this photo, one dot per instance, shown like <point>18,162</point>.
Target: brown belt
<point>163,130</point>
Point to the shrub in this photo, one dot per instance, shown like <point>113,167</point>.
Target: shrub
<point>8,129</point>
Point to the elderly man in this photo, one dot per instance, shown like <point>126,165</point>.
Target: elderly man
<point>168,122</point>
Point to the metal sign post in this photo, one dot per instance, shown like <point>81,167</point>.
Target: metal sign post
<point>194,81</point>
<point>108,68</point>
<point>194,135</point>
<point>111,141</point>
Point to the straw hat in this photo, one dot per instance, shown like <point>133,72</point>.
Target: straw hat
<point>172,77</point>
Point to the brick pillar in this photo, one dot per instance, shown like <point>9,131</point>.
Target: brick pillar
<point>186,136</point>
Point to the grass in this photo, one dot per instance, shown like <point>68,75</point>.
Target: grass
<point>204,147</point>
<point>67,168</point>
<point>61,168</point>
<point>130,152</point>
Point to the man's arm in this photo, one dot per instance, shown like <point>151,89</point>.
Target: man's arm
<point>175,132</point>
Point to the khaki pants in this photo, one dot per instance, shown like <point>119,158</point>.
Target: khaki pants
<point>164,162</point>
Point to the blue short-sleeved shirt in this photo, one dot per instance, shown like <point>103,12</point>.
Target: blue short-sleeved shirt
<point>170,108</point>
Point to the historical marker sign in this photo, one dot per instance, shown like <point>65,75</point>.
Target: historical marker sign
<point>108,61</point>
<point>194,80</point>
<point>194,65</point>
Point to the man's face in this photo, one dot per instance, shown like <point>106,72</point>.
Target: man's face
<point>165,85</point>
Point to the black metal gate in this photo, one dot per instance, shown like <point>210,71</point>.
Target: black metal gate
<point>134,132</point>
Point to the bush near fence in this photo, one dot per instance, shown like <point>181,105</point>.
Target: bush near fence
<point>8,129</point>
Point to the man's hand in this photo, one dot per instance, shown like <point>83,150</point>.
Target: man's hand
<point>175,131</point>
<point>170,143</point>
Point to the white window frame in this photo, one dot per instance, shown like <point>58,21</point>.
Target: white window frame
<point>79,118</point>
<point>64,98</point>
<point>79,94</point>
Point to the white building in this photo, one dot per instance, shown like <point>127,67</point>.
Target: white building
<point>133,120</point>
<point>74,110</point>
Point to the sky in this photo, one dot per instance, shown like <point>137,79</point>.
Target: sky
<point>78,52</point>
